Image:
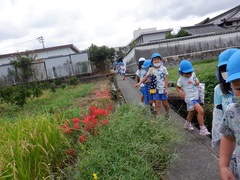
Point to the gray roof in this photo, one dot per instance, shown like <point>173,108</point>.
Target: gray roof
<point>203,29</point>
<point>70,46</point>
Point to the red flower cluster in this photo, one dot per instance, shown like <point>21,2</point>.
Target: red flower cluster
<point>102,94</point>
<point>88,123</point>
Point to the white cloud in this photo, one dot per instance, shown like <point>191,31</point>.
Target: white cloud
<point>105,22</point>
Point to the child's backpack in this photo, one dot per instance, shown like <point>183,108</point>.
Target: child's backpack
<point>153,84</point>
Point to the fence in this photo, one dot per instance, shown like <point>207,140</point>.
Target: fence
<point>47,69</point>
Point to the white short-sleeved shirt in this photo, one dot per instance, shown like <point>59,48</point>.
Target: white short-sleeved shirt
<point>188,86</point>
<point>160,74</point>
<point>220,98</point>
<point>224,100</point>
<point>141,73</point>
<point>230,126</point>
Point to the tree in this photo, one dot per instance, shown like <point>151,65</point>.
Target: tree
<point>181,33</point>
<point>23,65</point>
<point>100,56</point>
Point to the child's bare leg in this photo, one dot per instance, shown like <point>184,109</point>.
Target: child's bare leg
<point>190,115</point>
<point>166,105</point>
<point>200,112</point>
<point>158,107</point>
<point>142,98</point>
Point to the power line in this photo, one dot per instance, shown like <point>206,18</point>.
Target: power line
<point>19,43</point>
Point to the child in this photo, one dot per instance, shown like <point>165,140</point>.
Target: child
<point>222,95</point>
<point>187,88</point>
<point>139,75</point>
<point>145,90</point>
<point>230,125</point>
<point>161,74</point>
<point>123,71</point>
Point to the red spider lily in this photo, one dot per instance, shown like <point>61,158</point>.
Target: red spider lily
<point>76,126</point>
<point>104,122</point>
<point>90,122</point>
<point>102,94</point>
<point>82,138</point>
<point>76,120</point>
<point>97,111</point>
<point>70,152</point>
<point>110,108</point>
<point>66,129</point>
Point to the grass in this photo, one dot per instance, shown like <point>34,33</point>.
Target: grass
<point>133,145</point>
<point>200,67</point>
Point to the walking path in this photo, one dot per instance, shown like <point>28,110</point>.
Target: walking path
<point>197,160</point>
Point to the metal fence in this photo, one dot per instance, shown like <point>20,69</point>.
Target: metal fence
<point>49,68</point>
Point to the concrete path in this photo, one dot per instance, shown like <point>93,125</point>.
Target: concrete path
<point>197,160</point>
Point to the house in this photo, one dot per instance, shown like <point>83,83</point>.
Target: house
<point>42,53</point>
<point>207,39</point>
<point>50,63</point>
<point>222,23</point>
<point>147,35</point>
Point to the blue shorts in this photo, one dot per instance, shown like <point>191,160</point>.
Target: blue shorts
<point>145,93</point>
<point>190,105</point>
<point>158,96</point>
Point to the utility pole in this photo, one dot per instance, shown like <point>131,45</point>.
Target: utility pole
<point>41,41</point>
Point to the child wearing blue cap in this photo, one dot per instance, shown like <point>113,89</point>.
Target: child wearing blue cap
<point>160,74</point>
<point>140,73</point>
<point>230,125</point>
<point>187,88</point>
<point>222,94</point>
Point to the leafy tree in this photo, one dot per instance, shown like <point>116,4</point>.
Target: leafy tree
<point>23,65</point>
<point>111,54</point>
<point>120,52</point>
<point>100,56</point>
<point>181,33</point>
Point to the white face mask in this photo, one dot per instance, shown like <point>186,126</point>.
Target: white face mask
<point>237,99</point>
<point>157,64</point>
<point>224,75</point>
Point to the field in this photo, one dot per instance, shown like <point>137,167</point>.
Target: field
<point>78,132</point>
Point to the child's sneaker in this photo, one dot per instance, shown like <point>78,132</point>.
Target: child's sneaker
<point>167,116</point>
<point>204,132</point>
<point>188,126</point>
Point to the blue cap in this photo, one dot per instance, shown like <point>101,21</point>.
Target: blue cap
<point>225,55</point>
<point>186,66</point>
<point>154,55</point>
<point>147,63</point>
<point>233,67</point>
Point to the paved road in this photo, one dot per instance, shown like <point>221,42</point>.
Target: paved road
<point>197,160</point>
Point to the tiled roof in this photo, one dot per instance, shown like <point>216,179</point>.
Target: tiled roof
<point>203,29</point>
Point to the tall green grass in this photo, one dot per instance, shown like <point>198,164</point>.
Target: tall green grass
<point>31,148</point>
<point>134,145</point>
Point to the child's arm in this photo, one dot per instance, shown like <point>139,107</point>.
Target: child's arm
<point>197,82</point>
<point>141,81</point>
<point>181,93</point>
<point>136,79</point>
<point>227,146</point>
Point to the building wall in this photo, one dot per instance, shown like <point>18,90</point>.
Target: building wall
<point>49,68</point>
<point>179,48</point>
<point>5,59</point>
<point>152,37</point>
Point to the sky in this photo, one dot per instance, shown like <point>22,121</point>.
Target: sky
<point>98,22</point>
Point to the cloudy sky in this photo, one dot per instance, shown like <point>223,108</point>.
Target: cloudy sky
<point>99,22</point>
